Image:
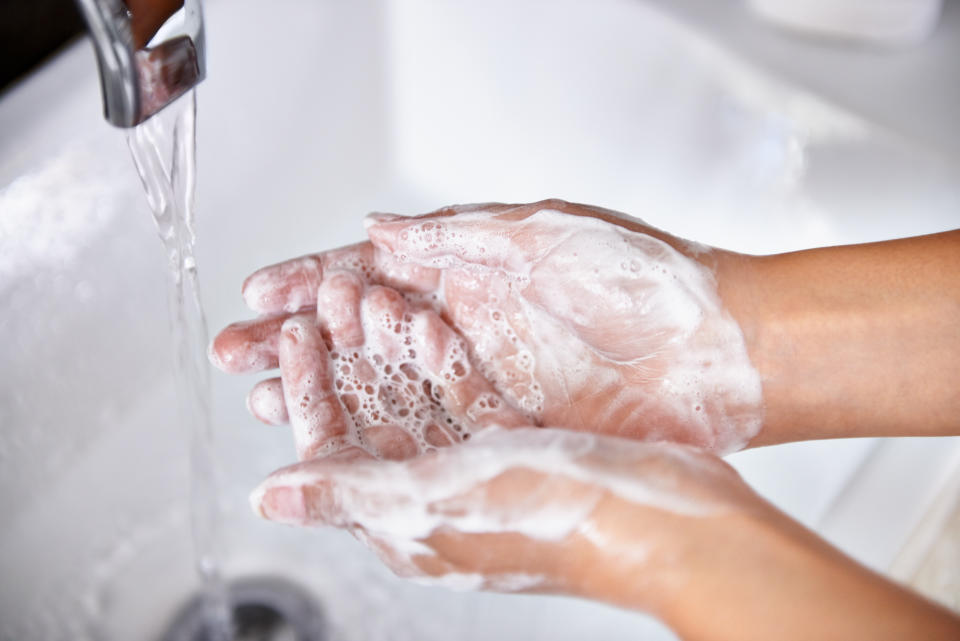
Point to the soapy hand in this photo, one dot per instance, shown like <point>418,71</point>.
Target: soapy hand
<point>579,317</point>
<point>525,509</point>
<point>659,527</point>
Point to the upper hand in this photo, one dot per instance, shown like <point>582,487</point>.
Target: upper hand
<point>580,318</point>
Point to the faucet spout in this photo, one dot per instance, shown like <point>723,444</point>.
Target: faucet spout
<point>149,52</point>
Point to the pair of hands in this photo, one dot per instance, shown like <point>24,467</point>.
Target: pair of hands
<point>474,327</point>
<point>480,324</point>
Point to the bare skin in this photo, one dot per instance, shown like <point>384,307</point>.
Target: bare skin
<point>862,340</point>
<point>841,338</point>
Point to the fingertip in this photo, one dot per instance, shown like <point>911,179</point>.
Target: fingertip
<point>472,239</point>
<point>256,500</point>
<point>285,287</point>
<point>385,306</point>
<point>247,289</point>
<point>339,287</point>
<point>383,234</point>
<point>433,340</point>
<point>280,503</point>
<point>245,346</point>
<point>214,357</point>
<point>265,402</point>
<point>296,328</point>
<point>375,218</point>
<point>385,297</point>
<point>338,307</point>
<point>338,278</point>
<point>259,291</point>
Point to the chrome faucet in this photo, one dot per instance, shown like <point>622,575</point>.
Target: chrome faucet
<point>150,52</point>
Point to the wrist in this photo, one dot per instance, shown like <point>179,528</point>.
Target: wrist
<point>851,341</point>
<point>804,337</point>
<point>742,284</point>
<point>646,559</point>
<point>759,575</point>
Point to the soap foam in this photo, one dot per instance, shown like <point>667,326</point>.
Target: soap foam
<point>385,382</point>
<point>504,582</point>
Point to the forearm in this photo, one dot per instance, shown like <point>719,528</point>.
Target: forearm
<point>777,581</point>
<point>859,340</point>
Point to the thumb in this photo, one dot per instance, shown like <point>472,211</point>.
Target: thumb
<point>307,493</point>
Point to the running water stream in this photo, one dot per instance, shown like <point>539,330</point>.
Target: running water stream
<point>164,151</point>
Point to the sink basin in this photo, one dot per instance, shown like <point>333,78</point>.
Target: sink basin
<point>313,114</point>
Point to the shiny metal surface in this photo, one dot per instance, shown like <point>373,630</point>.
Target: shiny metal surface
<point>149,53</point>
<point>264,608</point>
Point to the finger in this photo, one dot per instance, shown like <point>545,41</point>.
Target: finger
<point>390,443</point>
<point>251,346</point>
<point>328,491</point>
<point>266,403</point>
<point>350,454</point>
<point>413,498</point>
<point>499,238</point>
<point>374,392</point>
<point>410,278</point>
<point>450,210</point>
<point>366,493</point>
<point>464,392</point>
<point>247,346</point>
<point>338,308</point>
<point>316,415</point>
<point>339,303</point>
<point>344,490</point>
<point>383,310</point>
<point>292,285</point>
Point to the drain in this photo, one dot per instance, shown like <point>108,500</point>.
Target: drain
<point>263,609</point>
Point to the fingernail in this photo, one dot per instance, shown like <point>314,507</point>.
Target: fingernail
<point>280,503</point>
<point>257,289</point>
<point>214,357</point>
<point>377,218</point>
<point>384,235</point>
<point>294,329</point>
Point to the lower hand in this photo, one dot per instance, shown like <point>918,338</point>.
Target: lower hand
<point>524,509</point>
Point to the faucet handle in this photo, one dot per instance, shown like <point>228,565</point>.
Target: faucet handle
<point>150,52</point>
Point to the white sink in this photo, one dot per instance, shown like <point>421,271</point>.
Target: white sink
<point>313,114</point>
